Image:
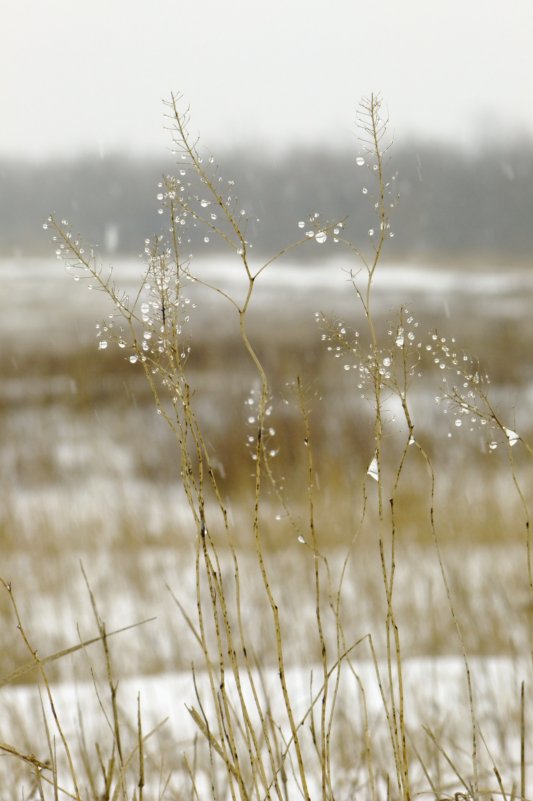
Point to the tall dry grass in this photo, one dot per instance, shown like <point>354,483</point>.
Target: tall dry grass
<point>254,736</point>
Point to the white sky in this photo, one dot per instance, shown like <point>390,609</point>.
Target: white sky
<point>79,75</point>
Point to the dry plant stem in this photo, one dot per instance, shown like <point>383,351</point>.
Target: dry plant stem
<point>318,695</point>
<point>40,667</point>
<point>28,667</point>
<point>183,143</point>
<point>400,726</point>
<point>374,129</point>
<point>523,781</point>
<point>86,758</point>
<point>259,459</point>
<point>486,411</point>
<point>264,719</point>
<point>113,687</point>
<point>259,551</point>
<point>368,750</point>
<point>185,426</point>
<point>218,599</point>
<point>201,722</point>
<point>183,423</point>
<point>218,594</point>
<point>203,726</point>
<point>52,749</point>
<point>325,729</point>
<point>451,763</point>
<point>272,740</point>
<point>341,648</point>
<point>525,509</point>
<point>433,784</point>
<point>141,748</point>
<point>444,576</point>
<point>29,758</point>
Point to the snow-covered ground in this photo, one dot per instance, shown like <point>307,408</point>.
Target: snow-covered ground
<point>38,297</point>
<point>436,702</point>
<point>93,507</point>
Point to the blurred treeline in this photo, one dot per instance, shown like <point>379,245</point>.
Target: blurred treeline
<point>475,205</point>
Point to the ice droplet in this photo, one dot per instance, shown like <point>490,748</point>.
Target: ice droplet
<point>373,471</point>
<point>360,161</point>
<point>321,237</point>
<point>205,203</point>
<point>134,358</point>
<point>301,539</point>
<point>102,345</point>
<point>512,436</point>
<point>370,232</point>
<point>301,224</point>
<point>364,190</point>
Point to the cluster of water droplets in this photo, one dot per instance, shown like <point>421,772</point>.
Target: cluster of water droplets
<point>319,231</point>
<point>462,385</point>
<point>373,364</point>
<point>160,312</point>
<point>460,380</point>
<point>256,425</point>
<point>165,308</point>
<point>200,200</point>
<point>67,248</point>
<point>463,392</point>
<point>390,199</point>
<point>106,333</point>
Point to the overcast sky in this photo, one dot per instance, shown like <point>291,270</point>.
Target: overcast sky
<point>90,76</point>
